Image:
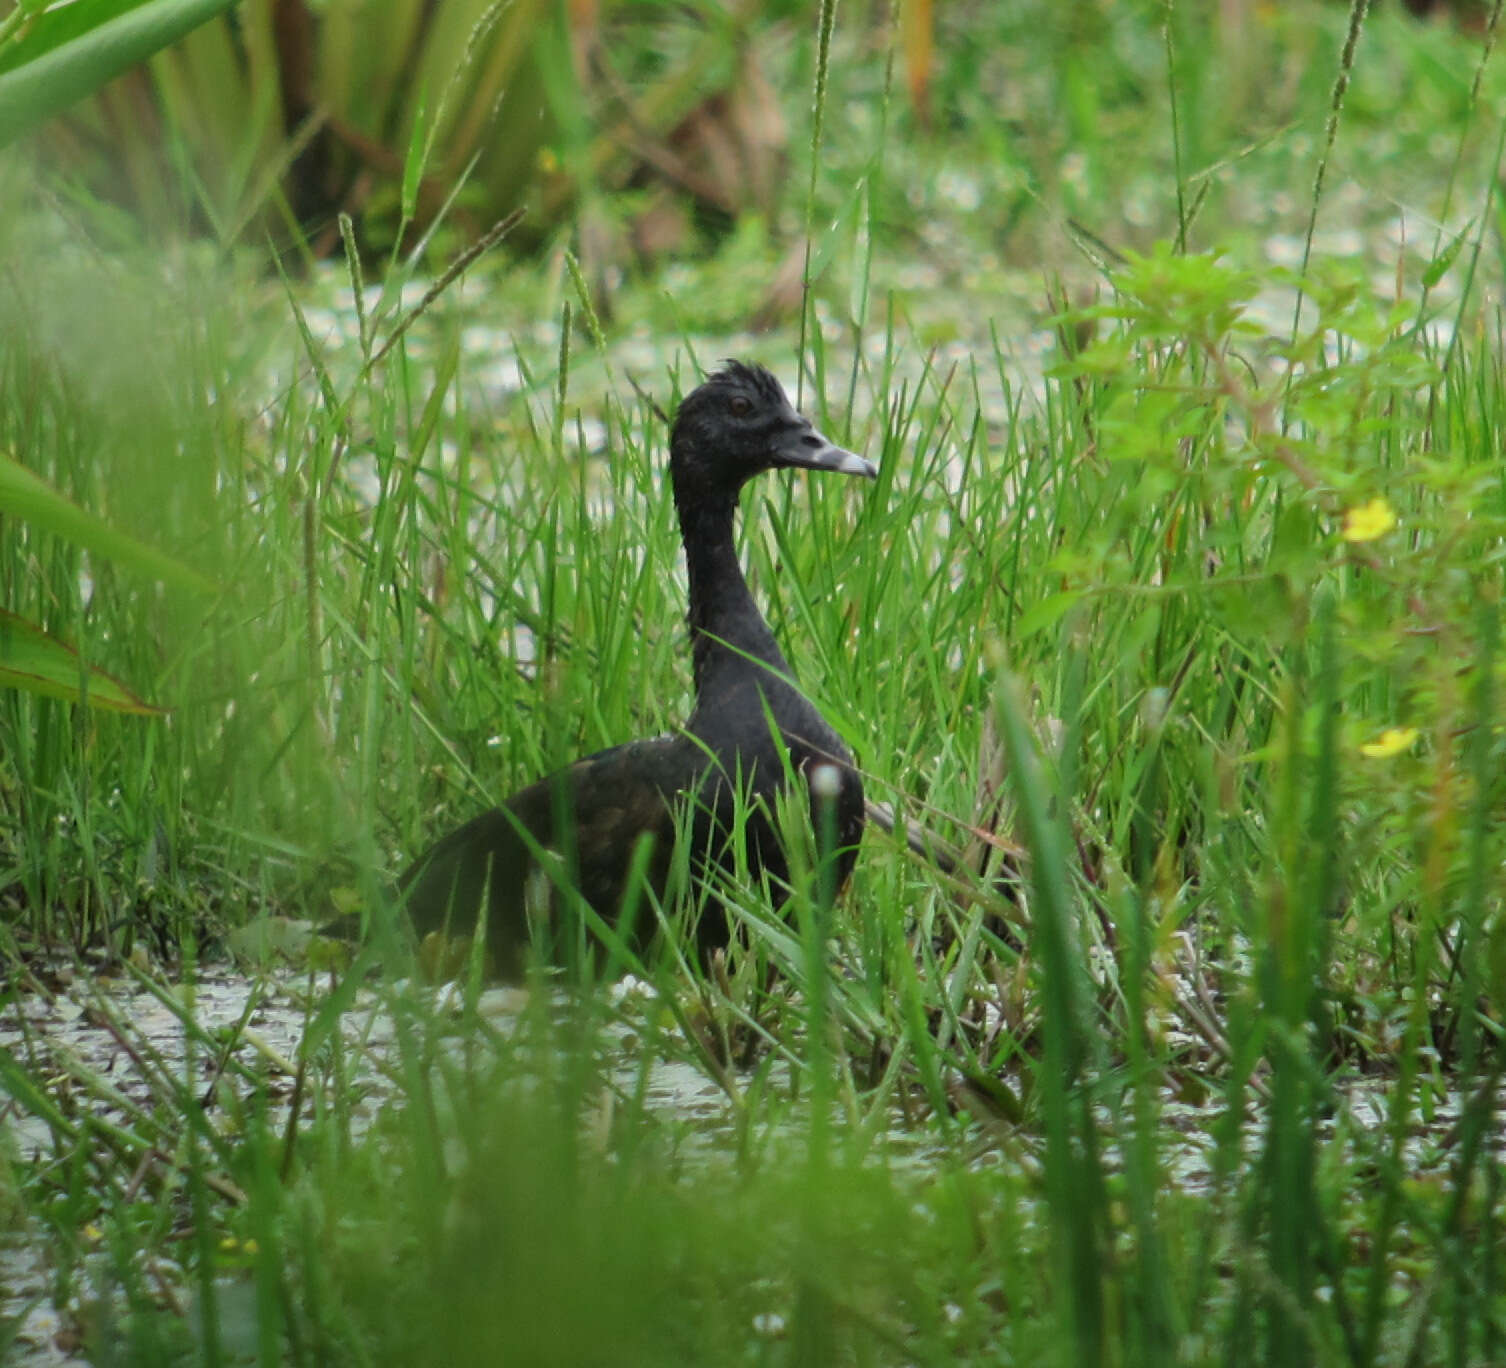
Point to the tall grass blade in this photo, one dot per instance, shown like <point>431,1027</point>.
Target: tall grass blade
<point>33,91</point>
<point>31,659</point>
<point>1073,1174</point>
<point>27,496</point>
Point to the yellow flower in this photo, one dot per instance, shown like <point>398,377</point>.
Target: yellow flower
<point>1368,521</point>
<point>1390,742</point>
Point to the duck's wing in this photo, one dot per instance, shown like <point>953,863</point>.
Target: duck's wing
<point>593,813</point>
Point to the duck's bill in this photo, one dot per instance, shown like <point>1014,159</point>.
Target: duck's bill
<point>809,450</point>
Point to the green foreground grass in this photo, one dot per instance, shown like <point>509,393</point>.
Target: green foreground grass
<point>1200,632</point>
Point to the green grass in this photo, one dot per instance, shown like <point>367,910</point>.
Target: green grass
<point>1147,621</point>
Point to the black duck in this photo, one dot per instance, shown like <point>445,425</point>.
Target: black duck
<point>736,425</point>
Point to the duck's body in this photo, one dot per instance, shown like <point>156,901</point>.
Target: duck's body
<point>599,809</point>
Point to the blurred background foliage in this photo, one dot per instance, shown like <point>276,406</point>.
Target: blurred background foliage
<point>281,114</point>
<point>648,130</point>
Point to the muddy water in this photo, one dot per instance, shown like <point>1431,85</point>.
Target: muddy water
<point>105,1044</point>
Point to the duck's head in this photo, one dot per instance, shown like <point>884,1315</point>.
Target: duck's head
<point>740,423</point>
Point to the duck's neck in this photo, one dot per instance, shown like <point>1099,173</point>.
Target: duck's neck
<point>726,627</point>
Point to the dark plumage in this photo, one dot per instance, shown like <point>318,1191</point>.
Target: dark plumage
<point>734,426</point>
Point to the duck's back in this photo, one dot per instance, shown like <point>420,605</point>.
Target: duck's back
<point>594,813</point>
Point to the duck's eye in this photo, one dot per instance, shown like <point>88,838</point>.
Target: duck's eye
<point>740,405</point>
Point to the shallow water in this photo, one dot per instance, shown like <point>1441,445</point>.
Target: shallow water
<point>97,1041</point>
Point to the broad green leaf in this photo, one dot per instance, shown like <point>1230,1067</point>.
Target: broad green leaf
<point>1438,267</point>
<point>32,660</point>
<point>29,497</point>
<point>413,163</point>
<point>54,26</point>
<point>39,88</point>
<point>1045,613</point>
